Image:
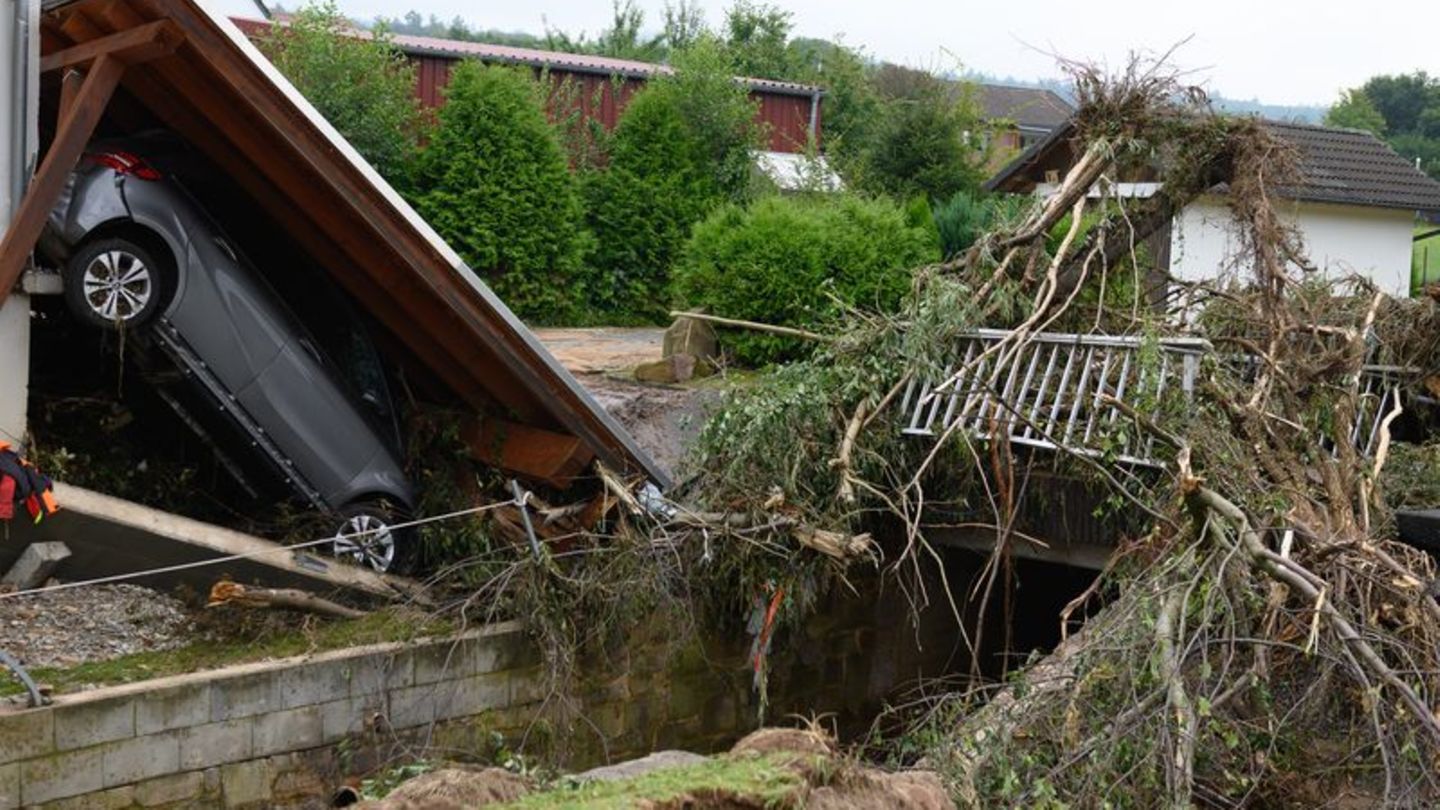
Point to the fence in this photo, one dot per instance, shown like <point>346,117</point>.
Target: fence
<point>1056,391</point>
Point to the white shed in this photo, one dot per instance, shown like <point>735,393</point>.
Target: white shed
<point>1355,205</point>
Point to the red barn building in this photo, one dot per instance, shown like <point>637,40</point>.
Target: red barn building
<point>790,113</point>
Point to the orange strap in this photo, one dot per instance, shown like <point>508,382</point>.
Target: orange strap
<point>763,640</point>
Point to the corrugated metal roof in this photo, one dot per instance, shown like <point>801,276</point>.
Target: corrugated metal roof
<point>1028,107</point>
<point>557,60</point>
<point>1354,167</point>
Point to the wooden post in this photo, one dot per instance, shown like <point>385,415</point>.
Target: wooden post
<point>70,85</point>
<point>70,139</point>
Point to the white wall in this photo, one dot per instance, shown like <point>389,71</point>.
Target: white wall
<point>1339,239</point>
<point>19,89</point>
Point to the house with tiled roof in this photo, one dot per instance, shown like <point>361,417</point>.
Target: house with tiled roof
<point>1355,203</point>
<point>1021,116</point>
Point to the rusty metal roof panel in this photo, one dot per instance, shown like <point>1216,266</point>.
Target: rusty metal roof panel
<point>573,62</point>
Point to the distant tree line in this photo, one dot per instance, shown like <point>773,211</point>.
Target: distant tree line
<point>1404,109</point>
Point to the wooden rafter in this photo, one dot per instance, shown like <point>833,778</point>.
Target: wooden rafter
<point>75,129</point>
<point>70,84</point>
<point>81,105</point>
<point>131,46</point>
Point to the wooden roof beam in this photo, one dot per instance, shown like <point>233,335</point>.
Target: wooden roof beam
<point>130,46</point>
<point>76,126</point>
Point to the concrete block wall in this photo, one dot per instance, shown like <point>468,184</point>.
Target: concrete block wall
<point>284,734</point>
<point>271,734</point>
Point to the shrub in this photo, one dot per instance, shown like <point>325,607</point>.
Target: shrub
<point>781,260</point>
<point>641,208</point>
<point>961,219</point>
<point>681,148</point>
<point>493,182</point>
<point>922,140</point>
<point>365,88</point>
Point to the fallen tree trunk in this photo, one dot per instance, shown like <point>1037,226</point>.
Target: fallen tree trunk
<point>233,593</point>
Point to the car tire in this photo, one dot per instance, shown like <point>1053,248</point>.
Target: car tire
<point>116,284</point>
<point>364,537</point>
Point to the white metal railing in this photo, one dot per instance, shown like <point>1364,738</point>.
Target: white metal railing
<point>1052,392</point>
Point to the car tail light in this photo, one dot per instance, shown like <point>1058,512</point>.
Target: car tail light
<point>127,164</point>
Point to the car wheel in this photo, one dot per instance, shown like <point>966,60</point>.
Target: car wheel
<point>115,284</point>
<point>366,537</point>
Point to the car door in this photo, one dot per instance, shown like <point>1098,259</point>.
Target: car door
<point>311,419</point>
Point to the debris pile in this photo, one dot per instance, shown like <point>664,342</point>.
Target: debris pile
<point>1267,606</point>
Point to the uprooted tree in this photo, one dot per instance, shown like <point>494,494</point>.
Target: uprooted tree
<point>1263,640</point>
<point>1266,640</point>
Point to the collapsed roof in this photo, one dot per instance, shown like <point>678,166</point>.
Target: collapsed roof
<point>1341,166</point>
<point>203,79</point>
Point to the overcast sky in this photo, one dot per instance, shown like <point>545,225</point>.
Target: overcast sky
<point>1281,51</point>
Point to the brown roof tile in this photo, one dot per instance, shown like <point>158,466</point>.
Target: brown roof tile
<point>1030,107</point>
<point>1354,167</point>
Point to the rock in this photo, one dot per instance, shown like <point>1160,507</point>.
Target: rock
<point>870,789</point>
<point>35,565</point>
<point>791,740</point>
<point>673,369</point>
<point>636,767</point>
<point>692,337</point>
<point>453,789</point>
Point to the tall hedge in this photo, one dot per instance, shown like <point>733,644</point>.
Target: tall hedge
<point>681,148</point>
<point>364,87</point>
<point>493,182</point>
<point>641,208</point>
<point>781,260</point>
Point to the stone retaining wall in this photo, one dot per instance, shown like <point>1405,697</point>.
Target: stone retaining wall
<point>262,735</point>
<point>286,733</point>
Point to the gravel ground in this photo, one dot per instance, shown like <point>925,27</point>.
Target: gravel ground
<point>93,623</point>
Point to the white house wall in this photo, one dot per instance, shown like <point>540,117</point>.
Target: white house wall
<point>1339,239</point>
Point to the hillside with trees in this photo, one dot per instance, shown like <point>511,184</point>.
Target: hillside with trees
<point>1404,109</point>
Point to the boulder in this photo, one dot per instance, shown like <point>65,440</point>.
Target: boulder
<point>637,767</point>
<point>692,337</point>
<point>676,368</point>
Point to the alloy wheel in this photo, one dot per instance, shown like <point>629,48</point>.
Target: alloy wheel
<point>117,285</point>
<point>366,540</point>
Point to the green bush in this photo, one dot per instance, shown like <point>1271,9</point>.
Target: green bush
<point>961,219</point>
<point>365,88</point>
<point>681,148</point>
<point>494,183</point>
<point>641,208</point>
<point>781,260</point>
<point>922,140</point>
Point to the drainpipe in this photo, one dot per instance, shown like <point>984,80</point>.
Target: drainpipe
<point>17,142</point>
<point>815,119</point>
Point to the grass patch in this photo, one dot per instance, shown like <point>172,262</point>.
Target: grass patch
<point>768,781</point>
<point>1426,266</point>
<point>218,651</point>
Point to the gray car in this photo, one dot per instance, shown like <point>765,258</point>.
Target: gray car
<point>141,256</point>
